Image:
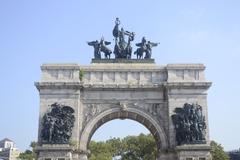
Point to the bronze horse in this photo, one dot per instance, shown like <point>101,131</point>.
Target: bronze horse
<point>103,48</point>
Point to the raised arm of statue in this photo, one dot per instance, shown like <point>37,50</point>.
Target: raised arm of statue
<point>138,44</point>
<point>107,43</point>
<point>97,48</point>
<point>153,44</point>
<point>92,43</point>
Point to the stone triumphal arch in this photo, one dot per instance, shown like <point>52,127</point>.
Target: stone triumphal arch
<point>75,100</point>
<point>169,100</point>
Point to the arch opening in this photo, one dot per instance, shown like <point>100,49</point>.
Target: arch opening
<point>118,128</point>
<point>122,139</point>
<point>130,113</point>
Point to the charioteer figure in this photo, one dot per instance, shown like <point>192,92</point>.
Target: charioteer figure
<point>122,48</point>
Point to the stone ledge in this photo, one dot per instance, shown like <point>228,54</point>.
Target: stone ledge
<point>183,66</point>
<point>119,86</point>
<point>58,85</point>
<point>178,85</point>
<point>79,85</point>
<point>60,66</point>
<point>123,61</point>
<point>196,147</point>
<point>192,147</point>
<point>54,147</point>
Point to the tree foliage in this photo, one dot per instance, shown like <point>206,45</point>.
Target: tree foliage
<point>217,152</point>
<point>129,148</point>
<point>28,154</point>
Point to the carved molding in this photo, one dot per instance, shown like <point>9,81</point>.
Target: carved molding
<point>91,110</point>
<point>154,109</point>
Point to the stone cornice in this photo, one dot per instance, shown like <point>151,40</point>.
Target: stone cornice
<point>188,66</point>
<point>188,85</point>
<point>58,85</point>
<point>54,147</point>
<point>131,65</point>
<point>123,60</point>
<point>63,66</point>
<point>193,147</point>
<point>80,85</point>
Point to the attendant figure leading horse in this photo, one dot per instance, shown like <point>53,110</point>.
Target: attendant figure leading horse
<point>145,47</point>
<point>101,47</point>
<point>105,49</point>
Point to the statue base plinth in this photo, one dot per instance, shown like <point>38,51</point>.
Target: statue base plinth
<point>120,60</point>
<point>194,151</point>
<point>55,151</point>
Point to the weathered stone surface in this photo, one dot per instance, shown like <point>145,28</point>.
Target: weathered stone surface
<point>54,152</point>
<point>194,152</point>
<point>144,92</point>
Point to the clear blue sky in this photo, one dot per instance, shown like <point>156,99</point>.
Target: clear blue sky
<point>56,31</point>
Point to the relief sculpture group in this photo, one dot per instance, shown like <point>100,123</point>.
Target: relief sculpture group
<point>190,124</point>
<point>57,124</point>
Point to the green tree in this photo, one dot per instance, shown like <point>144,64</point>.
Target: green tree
<point>116,146</point>
<point>130,148</point>
<point>139,147</point>
<point>29,154</point>
<point>100,151</point>
<point>33,144</point>
<point>217,152</point>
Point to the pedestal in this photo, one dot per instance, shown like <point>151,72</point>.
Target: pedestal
<point>54,152</point>
<point>167,156</point>
<point>193,152</point>
<point>121,60</point>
